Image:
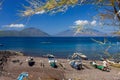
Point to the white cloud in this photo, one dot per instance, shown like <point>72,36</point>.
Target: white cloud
<point>79,25</point>
<point>81,22</point>
<point>85,22</point>
<point>15,26</point>
<point>40,12</point>
<point>93,23</point>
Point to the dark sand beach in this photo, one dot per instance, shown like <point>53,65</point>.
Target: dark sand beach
<point>11,70</point>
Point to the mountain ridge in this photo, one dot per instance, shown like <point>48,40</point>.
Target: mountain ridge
<point>34,32</point>
<point>27,32</point>
<point>84,32</point>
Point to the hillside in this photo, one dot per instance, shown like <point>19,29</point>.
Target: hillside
<point>84,32</point>
<point>27,32</point>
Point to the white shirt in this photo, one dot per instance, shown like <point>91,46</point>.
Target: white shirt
<point>104,63</point>
<point>94,63</point>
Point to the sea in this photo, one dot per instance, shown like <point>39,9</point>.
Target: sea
<point>62,47</point>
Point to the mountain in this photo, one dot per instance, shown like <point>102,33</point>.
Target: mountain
<point>28,32</point>
<point>32,32</point>
<point>84,32</point>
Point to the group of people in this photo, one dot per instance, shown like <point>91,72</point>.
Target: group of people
<point>31,62</point>
<point>104,66</point>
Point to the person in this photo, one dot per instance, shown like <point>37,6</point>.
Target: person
<point>94,63</point>
<point>105,65</point>
<point>31,61</point>
<point>42,64</point>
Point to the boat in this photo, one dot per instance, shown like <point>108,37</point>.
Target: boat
<point>52,61</point>
<point>76,60</point>
<point>114,64</point>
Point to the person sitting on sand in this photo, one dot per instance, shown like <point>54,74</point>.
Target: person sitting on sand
<point>94,63</point>
<point>105,64</point>
<point>101,67</point>
<point>31,61</point>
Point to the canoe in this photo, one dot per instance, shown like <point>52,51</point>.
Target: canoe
<point>117,65</point>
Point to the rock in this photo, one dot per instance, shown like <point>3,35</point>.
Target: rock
<point>4,55</point>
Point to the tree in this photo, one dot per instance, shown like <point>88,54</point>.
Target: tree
<point>109,10</point>
<point>61,5</point>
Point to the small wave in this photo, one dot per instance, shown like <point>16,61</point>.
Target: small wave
<point>1,45</point>
<point>45,42</point>
<point>118,43</point>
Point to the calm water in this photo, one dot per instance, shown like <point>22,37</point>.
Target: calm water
<point>60,46</point>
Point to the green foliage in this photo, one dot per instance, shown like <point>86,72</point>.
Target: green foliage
<point>59,5</point>
<point>53,6</point>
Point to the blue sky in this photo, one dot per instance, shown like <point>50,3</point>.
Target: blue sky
<point>51,24</point>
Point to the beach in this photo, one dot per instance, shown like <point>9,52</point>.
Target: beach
<point>59,39</point>
<point>16,64</point>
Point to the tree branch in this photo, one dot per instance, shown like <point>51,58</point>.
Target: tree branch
<point>116,12</point>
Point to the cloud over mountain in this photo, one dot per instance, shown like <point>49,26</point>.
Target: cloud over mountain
<point>85,22</point>
<point>79,25</point>
<point>81,22</point>
<point>14,26</point>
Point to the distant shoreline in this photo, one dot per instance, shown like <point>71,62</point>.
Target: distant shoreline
<point>58,36</point>
<point>18,53</point>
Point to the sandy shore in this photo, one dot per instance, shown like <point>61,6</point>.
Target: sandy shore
<point>12,69</point>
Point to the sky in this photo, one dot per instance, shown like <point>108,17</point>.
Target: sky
<point>52,24</point>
